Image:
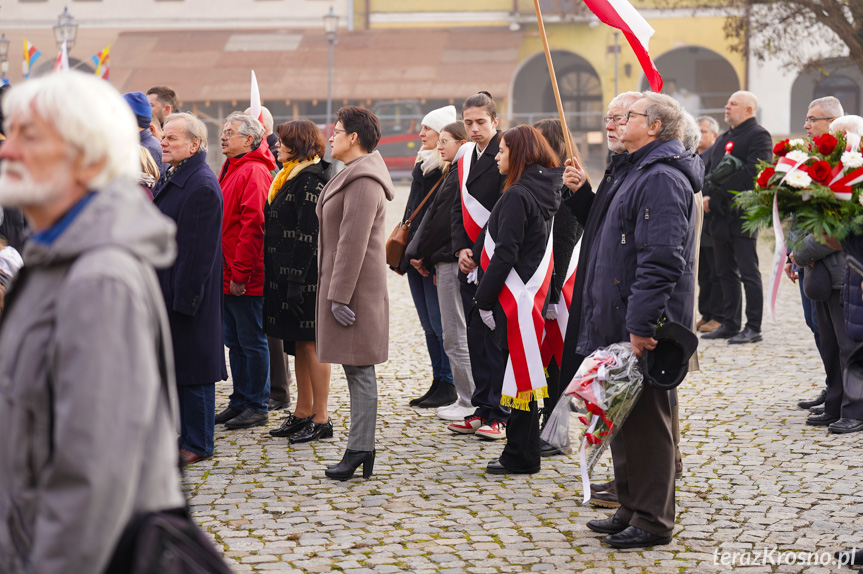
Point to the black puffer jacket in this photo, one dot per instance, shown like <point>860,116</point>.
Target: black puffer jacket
<point>520,223</point>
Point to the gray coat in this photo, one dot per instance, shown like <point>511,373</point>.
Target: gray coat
<point>87,436</point>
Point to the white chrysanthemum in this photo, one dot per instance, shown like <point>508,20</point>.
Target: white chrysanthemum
<point>852,160</point>
<point>797,155</point>
<point>798,142</point>
<point>797,178</point>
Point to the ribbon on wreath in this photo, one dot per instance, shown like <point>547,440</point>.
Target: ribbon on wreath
<point>524,378</point>
<point>555,329</point>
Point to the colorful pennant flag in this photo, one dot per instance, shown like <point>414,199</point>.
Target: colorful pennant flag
<point>31,54</point>
<point>102,63</point>
<point>255,105</point>
<point>62,62</point>
<point>622,15</point>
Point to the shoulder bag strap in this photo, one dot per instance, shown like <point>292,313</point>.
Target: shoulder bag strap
<point>425,199</point>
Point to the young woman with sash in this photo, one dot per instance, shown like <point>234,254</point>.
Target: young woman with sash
<point>516,268</point>
<point>480,185</point>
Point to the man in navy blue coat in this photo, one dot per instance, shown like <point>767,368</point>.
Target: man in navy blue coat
<point>640,270</point>
<point>189,193</point>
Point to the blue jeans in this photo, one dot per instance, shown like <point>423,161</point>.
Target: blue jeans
<point>424,293</point>
<point>243,321</point>
<point>197,417</point>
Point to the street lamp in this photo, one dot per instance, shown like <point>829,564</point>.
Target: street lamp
<point>66,29</point>
<point>4,57</point>
<point>331,24</point>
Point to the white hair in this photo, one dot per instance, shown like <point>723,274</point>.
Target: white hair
<point>249,126</point>
<point>690,134</point>
<point>268,119</point>
<point>195,129</point>
<point>830,105</point>
<point>90,116</point>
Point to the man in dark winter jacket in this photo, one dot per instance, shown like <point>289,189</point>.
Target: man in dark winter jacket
<point>641,270</point>
<point>734,248</point>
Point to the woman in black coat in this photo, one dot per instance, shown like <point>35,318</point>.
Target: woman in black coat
<point>189,193</point>
<point>291,273</point>
<point>519,227</point>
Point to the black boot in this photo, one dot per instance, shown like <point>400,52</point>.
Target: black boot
<point>442,396</point>
<point>350,461</point>
<point>435,384</point>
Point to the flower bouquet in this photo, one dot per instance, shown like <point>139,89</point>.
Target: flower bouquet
<point>819,182</point>
<point>605,388</point>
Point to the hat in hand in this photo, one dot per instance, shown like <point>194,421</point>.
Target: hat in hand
<point>666,366</point>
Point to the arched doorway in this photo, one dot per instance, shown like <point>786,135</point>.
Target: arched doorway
<point>698,78</point>
<point>580,92</point>
<point>838,78</point>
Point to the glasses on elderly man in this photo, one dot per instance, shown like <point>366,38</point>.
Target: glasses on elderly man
<point>630,113</point>
<point>616,119</point>
<point>811,121</point>
<point>228,134</point>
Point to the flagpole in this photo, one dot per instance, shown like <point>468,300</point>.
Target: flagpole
<point>567,137</point>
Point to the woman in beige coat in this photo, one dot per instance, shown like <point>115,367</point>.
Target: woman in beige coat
<point>353,306</point>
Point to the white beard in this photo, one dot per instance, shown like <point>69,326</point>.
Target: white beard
<point>22,191</point>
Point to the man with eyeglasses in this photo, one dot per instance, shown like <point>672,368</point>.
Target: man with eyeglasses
<point>733,248</point>
<point>245,179</point>
<point>821,112</point>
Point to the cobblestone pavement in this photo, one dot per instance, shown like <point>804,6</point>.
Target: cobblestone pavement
<point>754,476</point>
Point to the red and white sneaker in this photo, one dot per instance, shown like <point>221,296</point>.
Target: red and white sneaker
<point>492,430</point>
<point>467,426</point>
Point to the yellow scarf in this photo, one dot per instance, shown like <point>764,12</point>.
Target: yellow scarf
<point>290,169</point>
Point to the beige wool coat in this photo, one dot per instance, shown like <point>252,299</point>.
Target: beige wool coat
<point>352,263</point>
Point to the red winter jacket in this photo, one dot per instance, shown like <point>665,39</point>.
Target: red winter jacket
<point>245,184</point>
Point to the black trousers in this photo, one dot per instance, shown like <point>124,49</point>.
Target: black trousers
<point>486,362</point>
<point>835,349</point>
<point>522,450</point>
<point>643,457</point>
<point>736,263</point>
<point>709,289</point>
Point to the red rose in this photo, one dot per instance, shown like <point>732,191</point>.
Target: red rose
<point>826,144</point>
<point>781,148</point>
<point>820,171</point>
<point>764,176</point>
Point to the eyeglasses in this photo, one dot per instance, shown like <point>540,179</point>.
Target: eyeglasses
<point>338,131</point>
<point>228,134</point>
<point>443,142</point>
<point>630,113</point>
<point>616,119</point>
<point>810,121</point>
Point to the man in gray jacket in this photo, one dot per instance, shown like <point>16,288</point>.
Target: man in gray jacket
<point>87,434</point>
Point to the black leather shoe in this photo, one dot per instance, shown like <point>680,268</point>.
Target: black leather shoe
<point>634,537</point>
<point>226,415</point>
<point>546,449</point>
<point>722,332</point>
<point>601,486</point>
<point>608,525</point>
<point>816,410</point>
<point>290,425</point>
<point>427,394</point>
<point>444,395</point>
<point>843,426</point>
<point>495,467</point>
<point>274,405</point>
<point>312,431</point>
<point>819,400</point>
<point>247,419</point>
<point>349,464</point>
<point>821,420</point>
<point>746,336</point>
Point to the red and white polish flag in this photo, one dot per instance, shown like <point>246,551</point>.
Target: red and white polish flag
<point>555,329</point>
<point>622,15</point>
<point>255,105</point>
<point>62,62</point>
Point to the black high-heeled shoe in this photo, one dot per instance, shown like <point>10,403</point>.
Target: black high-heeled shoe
<point>312,431</point>
<point>350,461</point>
<point>290,425</point>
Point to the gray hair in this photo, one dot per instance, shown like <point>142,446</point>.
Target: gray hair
<point>91,117</point>
<point>624,100</point>
<point>691,134</point>
<point>669,112</point>
<point>713,125</point>
<point>831,106</point>
<point>195,128</point>
<point>268,119</point>
<point>249,126</point>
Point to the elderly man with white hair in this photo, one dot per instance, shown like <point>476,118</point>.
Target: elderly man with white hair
<point>734,248</point>
<point>87,437</point>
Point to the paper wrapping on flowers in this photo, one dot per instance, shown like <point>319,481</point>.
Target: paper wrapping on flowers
<point>602,393</point>
<point>818,181</point>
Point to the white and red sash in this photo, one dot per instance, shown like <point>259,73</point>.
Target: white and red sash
<point>555,329</point>
<point>524,379</point>
<point>474,214</point>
